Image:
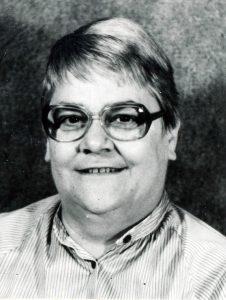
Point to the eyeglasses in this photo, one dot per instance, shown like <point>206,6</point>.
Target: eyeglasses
<point>122,122</point>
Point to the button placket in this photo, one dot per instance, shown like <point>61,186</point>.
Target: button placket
<point>92,282</point>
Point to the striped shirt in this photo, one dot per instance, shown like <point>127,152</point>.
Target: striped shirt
<point>169,255</point>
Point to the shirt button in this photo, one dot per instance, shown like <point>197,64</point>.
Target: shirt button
<point>93,264</point>
<point>127,239</point>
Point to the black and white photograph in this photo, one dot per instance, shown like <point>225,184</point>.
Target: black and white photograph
<point>113,149</point>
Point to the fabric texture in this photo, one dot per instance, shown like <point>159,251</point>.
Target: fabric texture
<point>168,255</point>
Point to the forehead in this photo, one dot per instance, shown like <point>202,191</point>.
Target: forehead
<point>99,91</point>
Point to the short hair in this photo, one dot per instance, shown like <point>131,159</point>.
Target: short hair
<point>114,46</point>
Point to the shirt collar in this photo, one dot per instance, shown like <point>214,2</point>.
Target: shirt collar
<point>149,224</point>
<point>146,227</point>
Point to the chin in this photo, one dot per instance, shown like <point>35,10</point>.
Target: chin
<point>100,204</point>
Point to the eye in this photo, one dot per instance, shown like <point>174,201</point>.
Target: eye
<point>124,121</point>
<point>69,120</point>
<point>72,122</point>
<point>123,118</point>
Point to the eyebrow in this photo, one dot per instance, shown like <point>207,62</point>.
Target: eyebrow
<point>107,104</point>
<point>126,102</point>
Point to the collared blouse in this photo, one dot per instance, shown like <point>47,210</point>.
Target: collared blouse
<point>168,255</point>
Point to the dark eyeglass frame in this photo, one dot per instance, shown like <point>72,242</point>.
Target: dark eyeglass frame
<point>149,118</point>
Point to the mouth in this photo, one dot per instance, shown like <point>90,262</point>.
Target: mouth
<point>103,170</point>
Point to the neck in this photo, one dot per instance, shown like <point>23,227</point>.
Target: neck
<point>98,232</point>
<point>95,233</point>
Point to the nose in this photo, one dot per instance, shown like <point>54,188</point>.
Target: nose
<point>95,140</point>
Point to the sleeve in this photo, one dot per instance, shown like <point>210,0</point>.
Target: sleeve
<point>219,292</point>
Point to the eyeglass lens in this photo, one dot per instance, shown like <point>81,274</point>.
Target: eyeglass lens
<point>124,123</point>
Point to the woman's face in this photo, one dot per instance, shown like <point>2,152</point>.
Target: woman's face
<point>138,168</point>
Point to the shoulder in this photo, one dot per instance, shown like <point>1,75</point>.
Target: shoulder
<point>197,233</point>
<point>204,252</point>
<point>17,225</point>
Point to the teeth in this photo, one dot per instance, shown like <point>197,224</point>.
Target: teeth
<point>101,170</point>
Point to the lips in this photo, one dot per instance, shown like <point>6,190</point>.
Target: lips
<point>102,170</point>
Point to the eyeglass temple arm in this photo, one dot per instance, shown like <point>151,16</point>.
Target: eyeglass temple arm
<point>156,115</point>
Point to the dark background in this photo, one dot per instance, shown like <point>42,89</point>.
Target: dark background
<point>191,32</point>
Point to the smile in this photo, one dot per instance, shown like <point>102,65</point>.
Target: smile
<point>104,170</point>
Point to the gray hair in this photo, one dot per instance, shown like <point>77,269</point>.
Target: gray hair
<point>116,46</point>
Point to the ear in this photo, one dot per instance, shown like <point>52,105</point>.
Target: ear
<point>172,136</point>
<point>47,155</point>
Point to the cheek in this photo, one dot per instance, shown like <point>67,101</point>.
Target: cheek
<point>61,157</point>
<point>148,161</point>
<point>61,154</point>
<point>147,169</point>
<point>142,153</point>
